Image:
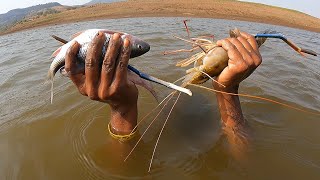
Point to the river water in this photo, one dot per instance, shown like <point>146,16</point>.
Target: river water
<point>69,139</point>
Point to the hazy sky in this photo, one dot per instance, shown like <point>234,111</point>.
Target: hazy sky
<point>7,5</point>
<point>311,7</point>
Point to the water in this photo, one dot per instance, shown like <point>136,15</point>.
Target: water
<point>68,139</point>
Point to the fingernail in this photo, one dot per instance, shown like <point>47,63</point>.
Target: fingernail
<point>74,43</point>
<point>115,36</point>
<point>99,33</point>
<point>74,46</point>
<point>126,43</point>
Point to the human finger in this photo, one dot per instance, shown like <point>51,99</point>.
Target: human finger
<point>256,57</point>
<point>123,60</point>
<point>243,51</point>
<point>236,63</point>
<point>71,64</point>
<point>92,69</point>
<point>109,61</point>
<point>252,41</point>
<point>233,53</point>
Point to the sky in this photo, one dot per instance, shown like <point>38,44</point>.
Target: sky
<point>7,5</point>
<point>311,7</point>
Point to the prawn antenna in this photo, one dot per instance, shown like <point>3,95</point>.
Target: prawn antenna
<point>185,24</point>
<point>257,97</point>
<point>164,124</point>
<point>211,78</point>
<point>172,94</point>
<point>151,112</point>
<point>197,44</point>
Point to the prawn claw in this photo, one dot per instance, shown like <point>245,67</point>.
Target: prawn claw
<point>276,35</point>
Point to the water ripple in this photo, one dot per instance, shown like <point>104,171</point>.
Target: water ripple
<point>194,125</point>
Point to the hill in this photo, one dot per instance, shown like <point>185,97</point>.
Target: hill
<point>221,9</point>
<point>16,15</point>
<point>102,1</point>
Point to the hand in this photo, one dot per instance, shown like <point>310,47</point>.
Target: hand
<point>106,81</point>
<point>244,59</point>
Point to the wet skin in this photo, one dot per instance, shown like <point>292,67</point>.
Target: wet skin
<point>244,59</point>
<point>107,82</point>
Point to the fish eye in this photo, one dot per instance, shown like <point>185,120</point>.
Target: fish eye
<point>139,46</point>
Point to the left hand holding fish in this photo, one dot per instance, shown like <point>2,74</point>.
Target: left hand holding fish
<point>107,81</point>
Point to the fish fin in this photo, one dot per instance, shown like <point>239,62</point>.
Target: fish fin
<point>51,92</point>
<point>76,34</point>
<point>143,83</point>
<point>50,77</point>
<point>150,88</point>
<point>63,41</point>
<point>56,52</point>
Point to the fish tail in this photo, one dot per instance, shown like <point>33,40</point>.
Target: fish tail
<point>50,78</point>
<point>51,93</point>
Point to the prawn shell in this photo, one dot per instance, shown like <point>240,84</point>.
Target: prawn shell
<point>213,64</point>
<point>215,61</point>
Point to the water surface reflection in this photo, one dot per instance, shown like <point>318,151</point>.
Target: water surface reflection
<point>68,139</point>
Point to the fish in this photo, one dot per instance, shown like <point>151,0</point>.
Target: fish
<point>84,38</point>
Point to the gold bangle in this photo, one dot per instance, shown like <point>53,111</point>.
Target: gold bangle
<point>122,138</point>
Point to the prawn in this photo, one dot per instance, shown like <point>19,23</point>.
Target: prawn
<point>209,63</point>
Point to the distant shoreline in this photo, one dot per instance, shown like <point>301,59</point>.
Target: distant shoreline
<point>231,10</point>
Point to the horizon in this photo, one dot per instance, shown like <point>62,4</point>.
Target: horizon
<point>308,6</point>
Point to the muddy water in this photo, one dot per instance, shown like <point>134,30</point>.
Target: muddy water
<point>69,140</point>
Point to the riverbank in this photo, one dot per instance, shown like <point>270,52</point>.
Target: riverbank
<point>220,9</point>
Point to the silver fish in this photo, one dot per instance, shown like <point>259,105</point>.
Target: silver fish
<point>138,48</point>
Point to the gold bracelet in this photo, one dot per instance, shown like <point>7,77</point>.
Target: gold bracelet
<point>122,138</point>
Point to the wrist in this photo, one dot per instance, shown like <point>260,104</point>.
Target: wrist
<point>229,89</point>
<point>123,118</point>
<point>229,105</point>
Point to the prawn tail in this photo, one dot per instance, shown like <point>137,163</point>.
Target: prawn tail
<point>192,73</point>
<point>187,79</point>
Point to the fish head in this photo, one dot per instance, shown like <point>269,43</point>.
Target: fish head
<point>138,47</point>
